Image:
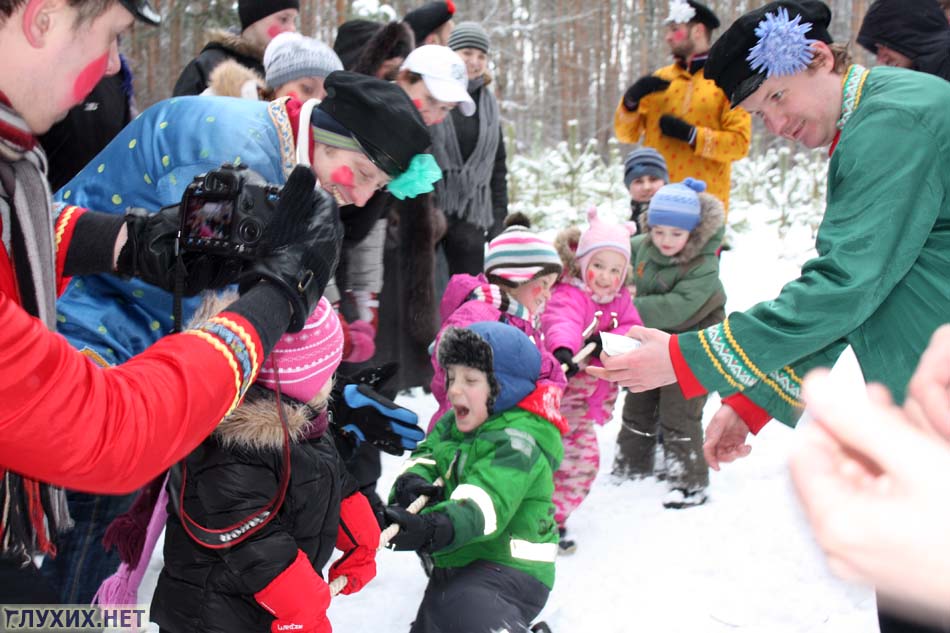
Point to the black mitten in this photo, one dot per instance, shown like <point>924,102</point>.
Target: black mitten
<point>427,532</point>
<point>675,127</point>
<point>411,486</point>
<point>566,358</point>
<point>643,86</point>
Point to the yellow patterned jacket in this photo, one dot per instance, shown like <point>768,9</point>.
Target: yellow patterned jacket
<point>722,134</point>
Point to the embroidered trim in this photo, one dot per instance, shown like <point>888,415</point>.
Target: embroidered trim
<point>737,370</point>
<point>63,221</point>
<point>851,87</point>
<point>285,133</point>
<point>237,348</point>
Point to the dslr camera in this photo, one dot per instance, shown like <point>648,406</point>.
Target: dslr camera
<point>226,212</point>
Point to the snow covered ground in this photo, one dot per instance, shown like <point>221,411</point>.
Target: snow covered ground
<point>743,562</point>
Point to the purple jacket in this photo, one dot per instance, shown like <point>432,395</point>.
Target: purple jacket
<point>569,313</point>
<point>459,309</point>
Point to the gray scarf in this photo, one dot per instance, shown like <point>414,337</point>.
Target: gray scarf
<point>465,189</point>
<point>31,513</point>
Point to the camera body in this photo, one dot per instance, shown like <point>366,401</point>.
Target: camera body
<point>226,211</point>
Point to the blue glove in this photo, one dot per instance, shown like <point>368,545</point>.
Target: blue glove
<point>370,417</point>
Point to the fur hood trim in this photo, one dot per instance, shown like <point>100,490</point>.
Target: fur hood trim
<point>232,79</point>
<point>566,246</point>
<point>712,217</point>
<point>232,41</point>
<point>255,423</point>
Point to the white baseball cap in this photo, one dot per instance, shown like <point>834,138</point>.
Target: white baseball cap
<point>444,74</point>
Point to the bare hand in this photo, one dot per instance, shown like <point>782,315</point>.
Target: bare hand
<point>872,486</point>
<point>725,438</point>
<point>928,394</point>
<point>642,369</point>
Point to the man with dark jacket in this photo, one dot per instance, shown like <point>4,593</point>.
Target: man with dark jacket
<point>909,34</point>
<point>261,21</point>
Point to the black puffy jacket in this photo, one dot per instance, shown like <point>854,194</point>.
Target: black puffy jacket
<point>232,475</point>
<point>917,29</point>
<point>221,46</point>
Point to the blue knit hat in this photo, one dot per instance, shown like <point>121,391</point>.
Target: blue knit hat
<point>677,205</point>
<point>644,161</point>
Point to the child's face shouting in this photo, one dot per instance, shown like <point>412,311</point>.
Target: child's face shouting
<point>468,392</point>
<point>605,272</point>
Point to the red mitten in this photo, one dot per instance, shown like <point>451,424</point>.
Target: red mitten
<point>358,539</point>
<point>298,598</point>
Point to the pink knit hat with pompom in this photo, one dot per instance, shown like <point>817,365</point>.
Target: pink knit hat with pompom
<point>600,235</point>
<point>308,358</point>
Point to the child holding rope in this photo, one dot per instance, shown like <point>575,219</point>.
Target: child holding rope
<point>589,299</point>
<point>490,529</point>
<point>258,507</point>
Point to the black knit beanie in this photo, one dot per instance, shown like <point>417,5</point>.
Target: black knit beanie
<point>250,11</point>
<point>428,18</point>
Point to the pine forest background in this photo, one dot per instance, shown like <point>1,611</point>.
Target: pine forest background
<point>559,68</point>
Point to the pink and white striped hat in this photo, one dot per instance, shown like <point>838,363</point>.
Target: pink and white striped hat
<point>517,255</point>
<point>308,358</point>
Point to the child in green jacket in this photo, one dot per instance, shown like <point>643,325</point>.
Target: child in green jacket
<point>676,272</point>
<point>489,524</point>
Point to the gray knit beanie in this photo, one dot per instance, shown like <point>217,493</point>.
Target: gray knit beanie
<point>292,56</point>
<point>644,161</point>
<point>469,35</point>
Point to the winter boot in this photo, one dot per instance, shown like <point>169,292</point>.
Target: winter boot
<point>565,546</point>
<point>679,498</point>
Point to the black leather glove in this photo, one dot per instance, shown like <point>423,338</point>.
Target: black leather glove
<point>149,254</point>
<point>411,486</point>
<point>643,86</point>
<point>598,345</point>
<point>675,127</point>
<point>427,532</point>
<point>566,357</point>
<point>301,268</point>
<point>368,416</point>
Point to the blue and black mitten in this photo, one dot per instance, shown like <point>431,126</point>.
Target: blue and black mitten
<point>367,416</point>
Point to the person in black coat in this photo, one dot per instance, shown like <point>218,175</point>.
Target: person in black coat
<point>261,21</point>
<point>248,532</point>
<point>908,33</point>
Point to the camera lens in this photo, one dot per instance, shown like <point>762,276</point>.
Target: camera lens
<point>250,231</point>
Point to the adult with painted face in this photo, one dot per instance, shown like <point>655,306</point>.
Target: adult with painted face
<point>884,292</point>
<point>911,34</point>
<point>64,421</point>
<point>261,21</point>
<point>681,113</point>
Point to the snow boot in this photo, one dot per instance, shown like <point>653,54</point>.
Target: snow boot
<point>679,498</point>
<point>565,546</point>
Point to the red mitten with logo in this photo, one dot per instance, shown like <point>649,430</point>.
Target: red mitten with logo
<point>298,598</point>
<point>358,539</point>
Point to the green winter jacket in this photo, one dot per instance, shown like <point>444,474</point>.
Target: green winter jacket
<point>498,480</point>
<point>881,281</point>
<point>682,292</point>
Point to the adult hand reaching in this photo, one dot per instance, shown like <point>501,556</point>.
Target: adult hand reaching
<point>725,438</point>
<point>928,394</point>
<point>647,367</point>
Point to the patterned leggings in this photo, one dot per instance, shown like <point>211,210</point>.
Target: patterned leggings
<point>573,480</point>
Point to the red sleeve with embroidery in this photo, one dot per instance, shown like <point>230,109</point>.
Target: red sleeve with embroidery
<point>689,385</point>
<point>754,416</point>
<point>68,422</point>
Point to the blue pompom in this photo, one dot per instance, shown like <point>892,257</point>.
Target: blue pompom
<point>782,48</point>
<point>695,184</point>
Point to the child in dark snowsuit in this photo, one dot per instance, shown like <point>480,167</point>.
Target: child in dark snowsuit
<point>490,525</point>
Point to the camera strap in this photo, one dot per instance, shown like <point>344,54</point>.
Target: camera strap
<point>179,289</point>
<point>250,525</point>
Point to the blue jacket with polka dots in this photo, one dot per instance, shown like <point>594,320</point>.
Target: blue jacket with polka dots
<point>149,165</point>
